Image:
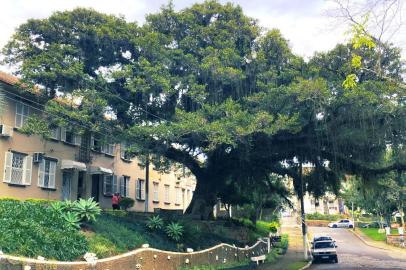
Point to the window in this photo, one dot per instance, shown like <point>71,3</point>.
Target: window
<point>140,189</point>
<point>99,145</point>
<point>178,196</point>
<point>108,149</point>
<point>18,168</point>
<point>125,186</point>
<point>55,133</point>
<point>167,198</point>
<point>156,192</point>
<point>22,114</point>
<point>96,144</point>
<point>124,153</point>
<point>109,185</point>
<point>69,136</point>
<point>46,173</point>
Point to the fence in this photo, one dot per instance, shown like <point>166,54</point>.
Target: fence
<point>145,259</point>
<point>396,240</point>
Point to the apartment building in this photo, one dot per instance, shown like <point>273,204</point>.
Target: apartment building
<point>69,166</point>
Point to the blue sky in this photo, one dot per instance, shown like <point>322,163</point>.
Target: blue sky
<point>302,22</point>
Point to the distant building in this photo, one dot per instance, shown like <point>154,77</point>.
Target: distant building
<point>327,204</point>
<point>69,166</point>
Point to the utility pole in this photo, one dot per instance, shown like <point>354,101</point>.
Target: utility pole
<point>304,229</point>
<point>352,214</point>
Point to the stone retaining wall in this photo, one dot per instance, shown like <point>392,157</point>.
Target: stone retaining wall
<point>317,223</point>
<point>144,259</point>
<point>395,240</point>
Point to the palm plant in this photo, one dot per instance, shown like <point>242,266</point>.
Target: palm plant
<point>87,210</point>
<point>174,231</point>
<point>72,220</point>
<point>155,223</point>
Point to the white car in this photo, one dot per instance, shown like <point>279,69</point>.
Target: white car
<point>324,250</point>
<point>343,223</point>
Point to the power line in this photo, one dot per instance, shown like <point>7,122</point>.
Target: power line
<point>129,103</point>
<point>71,122</point>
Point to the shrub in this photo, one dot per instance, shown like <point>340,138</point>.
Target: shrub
<point>174,231</point>
<point>9,199</point>
<point>72,220</point>
<point>29,229</point>
<point>318,216</point>
<point>87,210</point>
<point>126,203</point>
<point>265,228</point>
<point>116,213</point>
<point>39,201</point>
<point>101,246</point>
<point>273,226</point>
<point>155,223</point>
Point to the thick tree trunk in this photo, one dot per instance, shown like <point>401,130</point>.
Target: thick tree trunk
<point>203,201</point>
<point>402,220</point>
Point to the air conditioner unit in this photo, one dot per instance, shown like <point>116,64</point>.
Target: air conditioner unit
<point>37,157</point>
<point>6,131</point>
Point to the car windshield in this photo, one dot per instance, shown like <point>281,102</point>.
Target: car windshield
<point>324,245</point>
<point>322,238</point>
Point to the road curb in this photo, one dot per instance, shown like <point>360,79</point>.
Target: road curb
<point>366,242</point>
<point>307,265</point>
<point>311,257</point>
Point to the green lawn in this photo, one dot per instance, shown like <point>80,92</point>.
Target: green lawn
<point>374,234</point>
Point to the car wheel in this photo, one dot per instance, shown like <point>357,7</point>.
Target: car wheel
<point>335,260</point>
<point>350,226</point>
<point>335,226</point>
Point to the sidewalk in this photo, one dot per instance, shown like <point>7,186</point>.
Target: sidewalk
<point>395,251</point>
<point>293,259</point>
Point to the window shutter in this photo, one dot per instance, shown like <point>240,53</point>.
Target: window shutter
<point>138,189</point>
<point>122,150</point>
<point>27,170</point>
<point>114,184</point>
<point>41,173</point>
<point>122,185</point>
<point>19,115</point>
<point>78,140</point>
<point>8,162</point>
<point>142,189</point>
<point>63,134</point>
<point>127,183</point>
<point>104,185</point>
<point>52,171</point>
<point>25,110</point>
<point>92,142</point>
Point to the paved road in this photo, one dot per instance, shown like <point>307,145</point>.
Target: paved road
<point>354,254</point>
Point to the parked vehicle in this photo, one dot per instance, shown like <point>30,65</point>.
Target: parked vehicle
<point>322,238</point>
<point>375,224</point>
<point>325,250</point>
<point>343,223</point>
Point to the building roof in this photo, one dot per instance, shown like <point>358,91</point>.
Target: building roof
<point>15,81</point>
<point>8,78</point>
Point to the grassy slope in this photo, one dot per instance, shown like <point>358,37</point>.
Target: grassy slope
<point>112,234</point>
<point>374,235</point>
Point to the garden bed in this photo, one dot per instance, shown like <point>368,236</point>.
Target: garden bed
<point>35,228</point>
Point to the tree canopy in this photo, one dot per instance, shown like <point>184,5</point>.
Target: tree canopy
<point>208,88</point>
